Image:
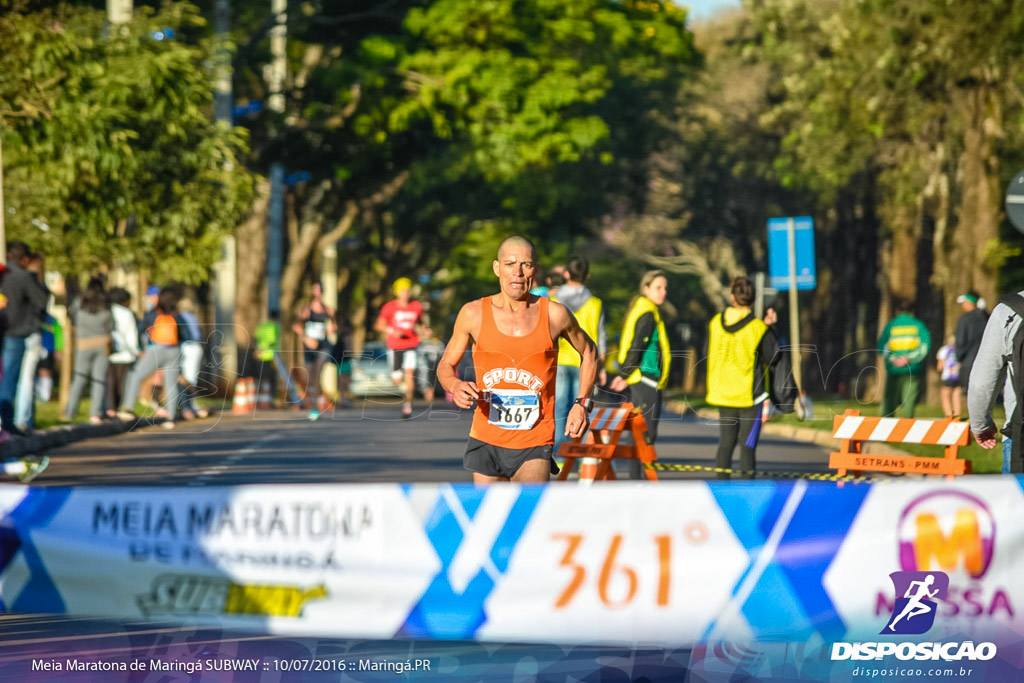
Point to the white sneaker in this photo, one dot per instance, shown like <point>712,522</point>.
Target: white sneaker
<point>169,424</point>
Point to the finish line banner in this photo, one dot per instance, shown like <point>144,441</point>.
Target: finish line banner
<point>847,570</point>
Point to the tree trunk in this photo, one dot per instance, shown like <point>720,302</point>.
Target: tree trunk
<point>980,210</point>
<point>903,264</point>
<point>252,267</point>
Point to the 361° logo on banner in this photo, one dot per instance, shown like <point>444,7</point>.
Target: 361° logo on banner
<point>916,606</point>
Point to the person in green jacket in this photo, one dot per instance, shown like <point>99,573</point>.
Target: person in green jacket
<point>905,345</point>
<point>645,357</point>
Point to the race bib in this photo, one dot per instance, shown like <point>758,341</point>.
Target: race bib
<point>513,408</point>
<point>316,330</point>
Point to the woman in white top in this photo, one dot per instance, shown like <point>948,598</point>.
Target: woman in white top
<point>125,342</point>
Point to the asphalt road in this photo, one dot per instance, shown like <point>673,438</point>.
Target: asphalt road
<point>368,443</point>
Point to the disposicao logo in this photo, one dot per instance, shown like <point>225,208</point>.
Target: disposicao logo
<point>913,614</point>
<point>925,544</point>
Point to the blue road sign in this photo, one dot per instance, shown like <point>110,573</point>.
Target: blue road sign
<point>778,253</point>
<point>251,107</point>
<point>297,177</point>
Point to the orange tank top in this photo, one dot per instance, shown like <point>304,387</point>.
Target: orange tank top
<point>516,378</point>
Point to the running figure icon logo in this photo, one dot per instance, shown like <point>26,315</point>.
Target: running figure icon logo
<point>915,608</point>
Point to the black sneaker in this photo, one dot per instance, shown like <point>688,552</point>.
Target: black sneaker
<point>14,431</point>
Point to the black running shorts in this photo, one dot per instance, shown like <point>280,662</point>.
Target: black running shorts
<point>495,461</point>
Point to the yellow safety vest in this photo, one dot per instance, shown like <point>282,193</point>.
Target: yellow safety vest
<point>589,318</point>
<point>643,306</point>
<point>731,357</point>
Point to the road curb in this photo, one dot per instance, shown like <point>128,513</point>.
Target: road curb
<point>55,437</point>
<point>819,437</point>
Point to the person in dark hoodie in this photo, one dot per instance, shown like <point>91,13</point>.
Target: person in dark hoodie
<point>740,350</point>
<point>26,300</point>
<point>589,313</point>
<point>970,328</point>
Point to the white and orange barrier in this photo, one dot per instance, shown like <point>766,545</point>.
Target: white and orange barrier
<point>600,445</point>
<point>853,430</point>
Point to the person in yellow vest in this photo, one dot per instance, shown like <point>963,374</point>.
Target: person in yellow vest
<point>644,355</point>
<point>589,313</point>
<point>740,349</point>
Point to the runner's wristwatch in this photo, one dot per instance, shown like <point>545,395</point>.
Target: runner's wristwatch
<point>587,403</point>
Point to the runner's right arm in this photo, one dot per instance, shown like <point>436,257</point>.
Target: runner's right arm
<point>382,324</point>
<point>465,393</point>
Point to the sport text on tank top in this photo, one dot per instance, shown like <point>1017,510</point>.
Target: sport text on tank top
<point>516,379</point>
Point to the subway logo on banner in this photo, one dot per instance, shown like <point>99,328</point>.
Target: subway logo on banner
<point>190,594</point>
<point>952,532</point>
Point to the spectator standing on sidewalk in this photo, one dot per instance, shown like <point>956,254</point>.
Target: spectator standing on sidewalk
<point>53,351</point>
<point>589,313</point>
<point>970,328</point>
<point>905,344</point>
<point>125,346</point>
<point>995,367</point>
<point>24,402</point>
<point>94,326</point>
<point>741,348</point>
<point>949,373</point>
<point>645,356</point>
<point>26,299</point>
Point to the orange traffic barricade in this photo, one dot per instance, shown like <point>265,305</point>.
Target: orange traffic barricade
<point>853,430</point>
<point>600,445</point>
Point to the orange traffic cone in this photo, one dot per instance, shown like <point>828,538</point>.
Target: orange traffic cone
<point>263,401</point>
<point>238,405</point>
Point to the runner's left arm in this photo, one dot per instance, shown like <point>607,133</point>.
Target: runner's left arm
<point>570,330</point>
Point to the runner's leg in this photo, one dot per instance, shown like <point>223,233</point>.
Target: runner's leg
<point>532,472</point>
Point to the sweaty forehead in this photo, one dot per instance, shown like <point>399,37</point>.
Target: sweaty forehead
<point>516,251</point>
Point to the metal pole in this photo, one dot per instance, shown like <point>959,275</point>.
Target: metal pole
<point>3,209</point>
<point>275,241</point>
<point>275,103</point>
<point>279,63</point>
<point>794,312</point>
<point>225,270</point>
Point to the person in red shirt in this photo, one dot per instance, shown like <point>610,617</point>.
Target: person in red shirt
<point>400,321</point>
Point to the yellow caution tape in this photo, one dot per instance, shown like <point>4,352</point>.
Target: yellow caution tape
<point>761,474</point>
<point>822,476</point>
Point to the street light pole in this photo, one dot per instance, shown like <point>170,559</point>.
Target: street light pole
<point>3,209</point>
<point>225,270</point>
<point>275,103</point>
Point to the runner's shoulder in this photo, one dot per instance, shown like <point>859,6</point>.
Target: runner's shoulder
<point>558,314</point>
<point>470,314</point>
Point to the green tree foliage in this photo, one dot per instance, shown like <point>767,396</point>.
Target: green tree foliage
<point>543,112</point>
<point>532,121</point>
<point>111,156</point>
